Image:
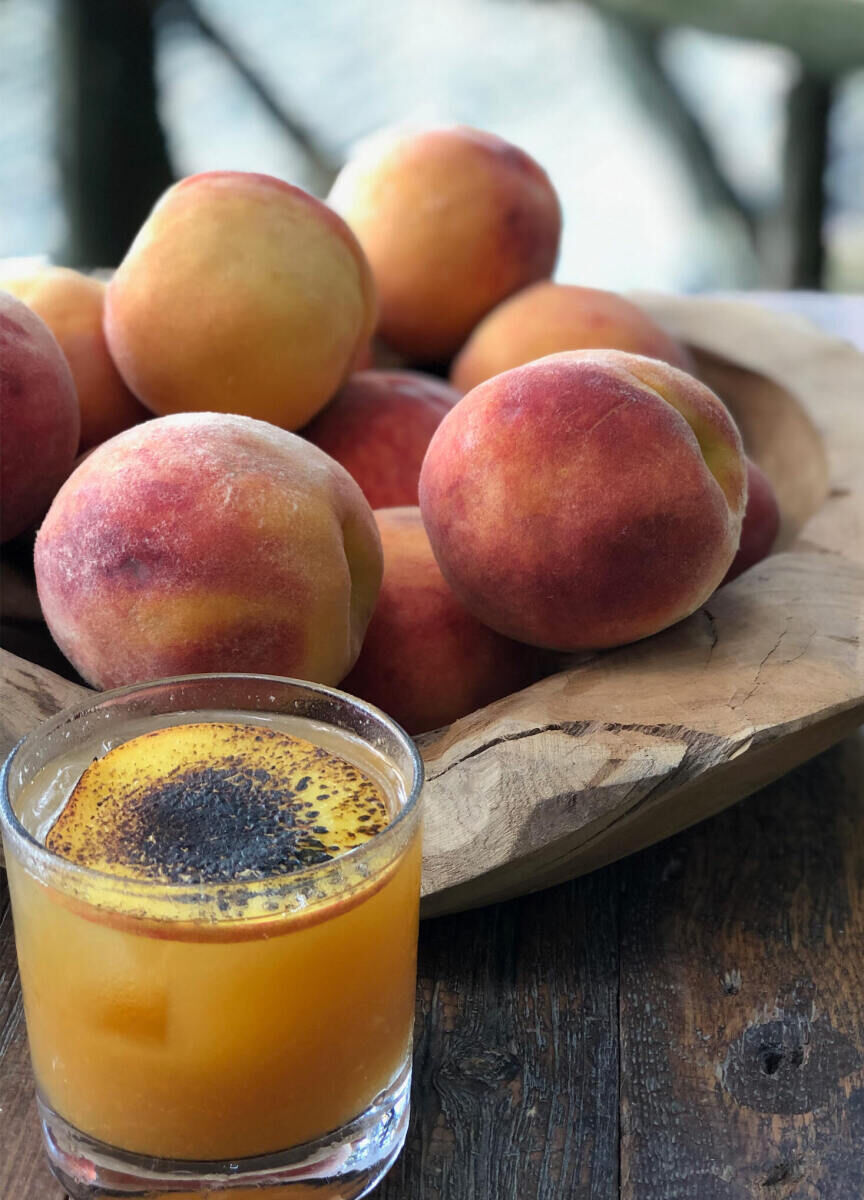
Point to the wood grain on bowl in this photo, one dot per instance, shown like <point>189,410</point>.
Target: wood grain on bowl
<point>620,749</point>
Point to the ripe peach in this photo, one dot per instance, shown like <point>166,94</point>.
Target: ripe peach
<point>39,417</point>
<point>426,661</point>
<point>547,318</point>
<point>452,221</point>
<point>378,427</point>
<point>364,359</point>
<point>586,499</point>
<point>71,306</point>
<point>761,523</point>
<point>384,357</point>
<point>240,294</point>
<point>208,542</point>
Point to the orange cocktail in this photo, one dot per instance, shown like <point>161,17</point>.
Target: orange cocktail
<point>216,925</point>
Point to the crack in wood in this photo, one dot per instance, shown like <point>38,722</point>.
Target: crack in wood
<point>758,674</point>
<point>576,729</point>
<point>571,729</point>
<point>713,633</point>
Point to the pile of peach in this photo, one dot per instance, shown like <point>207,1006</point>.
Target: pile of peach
<point>572,487</point>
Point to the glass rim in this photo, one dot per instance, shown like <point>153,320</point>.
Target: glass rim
<point>20,836</point>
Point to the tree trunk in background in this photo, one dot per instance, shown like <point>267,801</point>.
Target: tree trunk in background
<point>110,145</point>
<point>804,167</point>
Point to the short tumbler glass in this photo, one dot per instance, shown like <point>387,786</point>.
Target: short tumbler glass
<point>180,1047</point>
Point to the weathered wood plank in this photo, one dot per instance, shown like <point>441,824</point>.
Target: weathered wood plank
<point>516,1060</point>
<point>742,998</point>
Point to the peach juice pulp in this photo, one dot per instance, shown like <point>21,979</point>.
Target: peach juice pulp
<point>232,1018</point>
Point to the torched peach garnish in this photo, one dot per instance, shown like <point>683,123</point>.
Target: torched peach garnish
<point>216,802</point>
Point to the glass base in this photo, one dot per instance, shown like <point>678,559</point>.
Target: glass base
<point>343,1165</point>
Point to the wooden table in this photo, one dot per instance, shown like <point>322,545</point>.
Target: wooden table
<point>686,1024</point>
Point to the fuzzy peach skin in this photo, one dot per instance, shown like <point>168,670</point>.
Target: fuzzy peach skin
<point>761,523</point>
<point>586,499</point>
<point>547,318</point>
<point>71,305</point>
<point>240,294</point>
<point>426,661</point>
<point>378,427</point>
<point>39,419</point>
<point>208,542</point>
<point>452,221</point>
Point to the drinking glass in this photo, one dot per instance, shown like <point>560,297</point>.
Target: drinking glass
<point>246,1037</point>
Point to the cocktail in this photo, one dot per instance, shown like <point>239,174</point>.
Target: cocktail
<point>215,885</point>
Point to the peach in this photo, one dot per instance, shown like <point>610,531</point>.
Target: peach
<point>240,294</point>
<point>586,499</point>
<point>452,221</point>
<point>761,523</point>
<point>71,305</point>
<point>208,542</point>
<point>426,661</point>
<point>364,358</point>
<point>39,417</point>
<point>384,357</point>
<point>378,427</point>
<point>547,318</point>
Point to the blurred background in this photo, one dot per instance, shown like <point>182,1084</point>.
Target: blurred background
<point>695,144</point>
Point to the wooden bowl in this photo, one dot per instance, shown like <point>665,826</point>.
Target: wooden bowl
<point>625,747</point>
